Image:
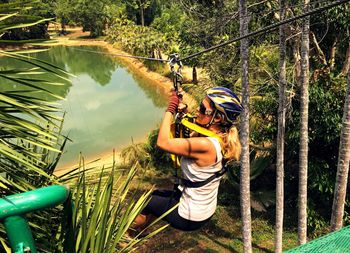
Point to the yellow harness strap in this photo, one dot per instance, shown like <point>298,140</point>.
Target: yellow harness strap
<point>201,130</point>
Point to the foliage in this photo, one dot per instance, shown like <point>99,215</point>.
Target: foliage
<point>333,32</point>
<point>160,158</point>
<point>170,22</point>
<point>30,125</point>
<point>316,223</point>
<point>63,12</point>
<point>147,154</point>
<point>91,15</point>
<point>207,23</point>
<point>22,23</point>
<point>142,41</point>
<point>325,110</point>
<point>103,209</point>
<point>116,9</point>
<point>136,153</point>
<point>142,12</point>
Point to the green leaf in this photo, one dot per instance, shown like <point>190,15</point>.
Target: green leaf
<point>22,25</point>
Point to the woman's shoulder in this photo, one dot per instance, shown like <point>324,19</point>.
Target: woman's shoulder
<point>201,139</point>
<point>215,140</point>
<point>201,145</point>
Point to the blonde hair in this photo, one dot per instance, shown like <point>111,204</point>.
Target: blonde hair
<point>231,144</point>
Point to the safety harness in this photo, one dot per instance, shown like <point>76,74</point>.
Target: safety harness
<point>183,126</point>
<point>187,126</point>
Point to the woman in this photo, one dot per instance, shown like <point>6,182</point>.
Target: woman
<point>201,158</point>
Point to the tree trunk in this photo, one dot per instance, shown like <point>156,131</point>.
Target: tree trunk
<point>320,55</point>
<point>343,166</point>
<point>159,54</point>
<point>280,133</point>
<point>142,16</point>
<point>297,64</point>
<point>194,75</point>
<point>245,163</point>
<point>63,27</point>
<point>304,114</point>
<point>332,54</point>
<point>346,65</point>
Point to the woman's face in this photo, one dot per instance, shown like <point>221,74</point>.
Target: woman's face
<point>204,112</point>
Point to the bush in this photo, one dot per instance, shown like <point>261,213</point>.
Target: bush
<point>137,40</point>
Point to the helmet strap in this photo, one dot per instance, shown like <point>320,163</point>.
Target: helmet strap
<point>212,120</point>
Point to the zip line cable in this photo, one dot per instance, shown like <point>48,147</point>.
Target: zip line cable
<point>268,28</point>
<point>122,55</point>
<point>251,34</point>
<point>264,13</point>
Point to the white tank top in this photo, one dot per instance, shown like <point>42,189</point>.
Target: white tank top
<point>198,204</point>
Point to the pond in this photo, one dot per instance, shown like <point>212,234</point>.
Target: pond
<point>107,106</point>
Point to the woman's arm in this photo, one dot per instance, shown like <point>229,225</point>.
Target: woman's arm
<point>190,147</point>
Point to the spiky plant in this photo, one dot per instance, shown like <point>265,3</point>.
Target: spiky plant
<point>103,211</point>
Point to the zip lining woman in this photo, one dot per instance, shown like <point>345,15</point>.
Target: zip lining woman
<point>202,161</point>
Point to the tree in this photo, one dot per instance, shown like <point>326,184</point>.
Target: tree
<point>330,42</point>
<point>63,12</point>
<point>91,15</point>
<point>281,132</point>
<point>346,66</point>
<point>24,15</point>
<point>343,166</point>
<point>245,163</point>
<point>141,6</point>
<point>304,108</point>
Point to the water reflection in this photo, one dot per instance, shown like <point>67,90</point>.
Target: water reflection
<point>154,92</point>
<point>106,104</point>
<point>98,66</point>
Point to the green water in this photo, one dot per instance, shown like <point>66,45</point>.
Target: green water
<point>107,105</point>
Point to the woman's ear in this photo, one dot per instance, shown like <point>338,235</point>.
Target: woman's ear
<point>217,118</point>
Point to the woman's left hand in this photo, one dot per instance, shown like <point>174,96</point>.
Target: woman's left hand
<point>174,102</point>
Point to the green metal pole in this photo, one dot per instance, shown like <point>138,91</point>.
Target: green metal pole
<point>14,207</point>
<point>26,202</point>
<point>19,235</point>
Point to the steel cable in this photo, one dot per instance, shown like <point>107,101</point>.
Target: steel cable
<point>268,28</point>
<point>251,14</point>
<point>122,55</point>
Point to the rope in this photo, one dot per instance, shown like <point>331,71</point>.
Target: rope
<point>268,28</point>
<point>121,55</point>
